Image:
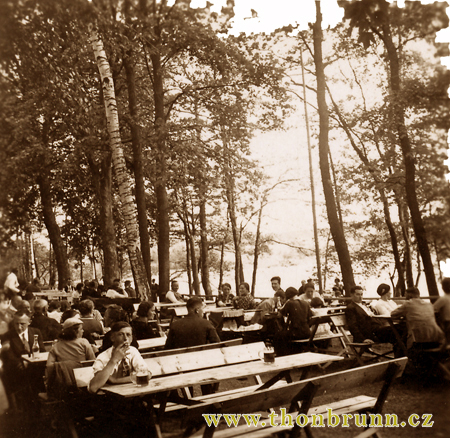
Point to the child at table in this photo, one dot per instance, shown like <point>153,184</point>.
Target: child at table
<point>116,363</point>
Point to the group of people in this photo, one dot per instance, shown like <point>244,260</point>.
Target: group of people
<point>285,316</point>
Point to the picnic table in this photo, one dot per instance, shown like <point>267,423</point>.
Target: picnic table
<point>54,295</point>
<point>162,386</point>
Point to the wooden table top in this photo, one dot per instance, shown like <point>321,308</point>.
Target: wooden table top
<point>41,357</point>
<point>217,374</point>
<point>152,343</point>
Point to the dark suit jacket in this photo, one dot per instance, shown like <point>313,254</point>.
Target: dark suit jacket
<point>360,324</point>
<point>12,354</point>
<point>49,327</point>
<point>190,331</point>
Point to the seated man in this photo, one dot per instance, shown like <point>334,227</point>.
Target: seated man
<point>113,314</point>
<point>423,330</point>
<point>129,290</point>
<point>442,308</point>
<point>91,325</point>
<point>115,291</point>
<point>173,296</point>
<point>15,342</point>
<point>362,326</point>
<point>193,329</point>
<point>49,328</point>
<point>116,363</point>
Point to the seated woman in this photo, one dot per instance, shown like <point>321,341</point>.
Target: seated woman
<point>142,328</point>
<point>225,296</point>
<point>298,315</point>
<point>71,347</point>
<point>244,301</point>
<point>384,306</point>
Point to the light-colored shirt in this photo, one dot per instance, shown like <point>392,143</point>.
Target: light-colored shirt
<point>174,297</point>
<point>303,297</point>
<point>77,350</point>
<point>382,307</point>
<point>365,308</point>
<point>12,283</point>
<point>133,358</point>
<point>442,305</point>
<point>55,315</point>
<point>111,293</point>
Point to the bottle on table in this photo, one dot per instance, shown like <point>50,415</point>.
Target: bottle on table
<point>35,348</point>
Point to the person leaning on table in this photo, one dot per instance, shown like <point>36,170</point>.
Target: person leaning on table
<point>116,363</point>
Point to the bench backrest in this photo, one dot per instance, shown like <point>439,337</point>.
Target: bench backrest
<point>188,361</point>
<point>197,360</point>
<point>203,347</point>
<point>293,392</point>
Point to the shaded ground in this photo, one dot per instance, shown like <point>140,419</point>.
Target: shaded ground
<point>409,395</point>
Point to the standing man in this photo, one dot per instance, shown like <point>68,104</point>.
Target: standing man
<point>12,284</point>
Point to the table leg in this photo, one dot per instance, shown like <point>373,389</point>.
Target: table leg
<point>398,337</point>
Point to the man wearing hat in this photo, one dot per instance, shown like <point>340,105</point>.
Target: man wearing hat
<point>384,306</point>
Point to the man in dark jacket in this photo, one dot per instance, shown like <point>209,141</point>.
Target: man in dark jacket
<point>49,327</point>
<point>16,342</point>
<point>362,325</point>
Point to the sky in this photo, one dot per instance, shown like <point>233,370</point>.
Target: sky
<point>268,15</point>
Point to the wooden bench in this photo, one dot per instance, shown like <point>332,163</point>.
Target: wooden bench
<point>299,396</point>
<point>230,343</point>
<point>316,321</point>
<point>350,348</point>
<point>188,361</point>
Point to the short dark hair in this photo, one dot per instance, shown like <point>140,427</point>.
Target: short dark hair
<point>281,294</point>
<point>276,278</point>
<point>116,313</point>
<point>446,285</point>
<point>316,302</point>
<point>54,305</point>
<point>69,314</point>
<point>246,285</point>
<point>309,285</point>
<point>355,288</point>
<point>144,308</point>
<point>414,291</point>
<point>64,305</point>
<point>119,325</point>
<point>173,281</point>
<point>22,312</point>
<point>86,307</point>
<point>194,303</point>
<point>225,284</point>
<point>290,293</point>
<point>128,282</point>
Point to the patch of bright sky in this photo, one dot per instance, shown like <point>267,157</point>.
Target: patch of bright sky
<point>269,15</point>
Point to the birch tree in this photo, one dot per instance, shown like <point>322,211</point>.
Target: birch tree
<point>128,205</point>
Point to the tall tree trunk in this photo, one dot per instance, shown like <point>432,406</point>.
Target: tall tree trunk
<point>54,232</point>
<point>222,257</point>
<point>204,248</point>
<point>162,201</point>
<point>257,246</point>
<point>404,224</point>
<point>398,112</point>
<point>137,163</point>
<point>333,219</point>
<point>380,188</point>
<point>102,176</point>
<point>125,192</point>
<point>188,259</point>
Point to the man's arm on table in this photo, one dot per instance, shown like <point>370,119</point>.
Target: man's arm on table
<point>104,375</point>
